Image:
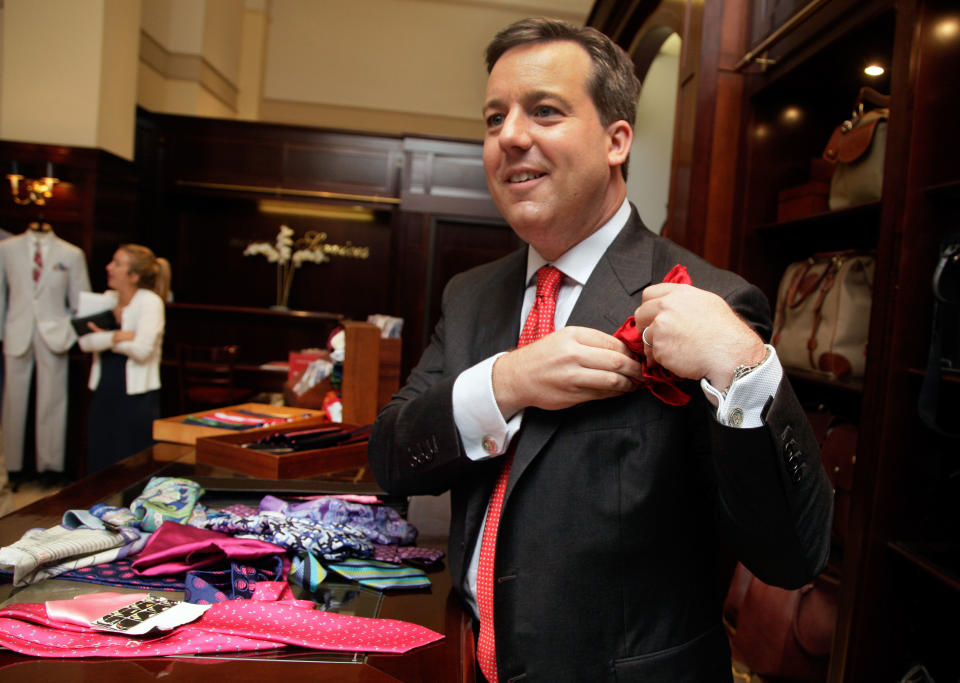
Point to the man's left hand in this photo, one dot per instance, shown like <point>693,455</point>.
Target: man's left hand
<point>694,334</point>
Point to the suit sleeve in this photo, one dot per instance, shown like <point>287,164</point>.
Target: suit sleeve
<point>92,342</point>
<point>774,500</point>
<point>79,281</point>
<point>414,446</point>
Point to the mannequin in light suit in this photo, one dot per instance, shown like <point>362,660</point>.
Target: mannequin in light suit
<point>36,330</point>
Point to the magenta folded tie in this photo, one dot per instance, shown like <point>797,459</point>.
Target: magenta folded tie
<point>177,548</point>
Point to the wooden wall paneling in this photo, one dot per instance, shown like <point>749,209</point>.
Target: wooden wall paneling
<point>273,158</point>
<point>93,204</point>
<point>460,244</point>
<point>344,163</point>
<point>727,119</point>
<point>410,283</point>
<point>445,177</point>
<point>209,182</point>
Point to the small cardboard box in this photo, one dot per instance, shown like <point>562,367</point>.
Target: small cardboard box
<point>227,451</point>
<point>174,430</point>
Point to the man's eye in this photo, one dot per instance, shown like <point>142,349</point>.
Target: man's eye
<point>544,110</point>
<point>494,120</point>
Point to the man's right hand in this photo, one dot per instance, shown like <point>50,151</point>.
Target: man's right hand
<point>565,368</point>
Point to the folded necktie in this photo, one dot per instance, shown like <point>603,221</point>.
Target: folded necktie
<point>381,575</point>
<point>660,382</point>
<point>234,581</point>
<point>307,572</point>
<point>166,498</point>
<point>176,548</point>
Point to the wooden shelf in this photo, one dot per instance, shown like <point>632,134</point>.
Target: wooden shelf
<point>853,385</point>
<point>949,191</point>
<point>939,560</point>
<point>861,213</point>
<point>947,377</point>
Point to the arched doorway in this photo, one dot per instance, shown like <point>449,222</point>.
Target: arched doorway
<point>648,182</point>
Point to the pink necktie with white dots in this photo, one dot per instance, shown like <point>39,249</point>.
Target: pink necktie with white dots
<point>37,263</point>
<point>539,323</point>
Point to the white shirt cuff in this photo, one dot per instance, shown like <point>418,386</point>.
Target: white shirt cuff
<point>742,406</point>
<point>483,431</point>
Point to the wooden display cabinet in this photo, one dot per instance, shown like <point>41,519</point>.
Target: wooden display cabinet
<point>900,565</point>
<point>760,110</point>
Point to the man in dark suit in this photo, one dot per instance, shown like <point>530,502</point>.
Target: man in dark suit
<point>619,509</point>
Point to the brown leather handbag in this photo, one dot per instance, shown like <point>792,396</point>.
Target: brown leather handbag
<point>822,317</point>
<point>782,634</point>
<point>857,147</point>
<point>839,453</point>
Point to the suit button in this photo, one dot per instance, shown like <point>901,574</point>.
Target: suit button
<point>797,472</point>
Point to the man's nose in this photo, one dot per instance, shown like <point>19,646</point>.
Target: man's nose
<point>515,131</point>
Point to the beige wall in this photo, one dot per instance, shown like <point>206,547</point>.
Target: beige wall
<point>223,36</point>
<point>392,66</point>
<point>397,65</point>
<point>63,83</point>
<point>190,52</point>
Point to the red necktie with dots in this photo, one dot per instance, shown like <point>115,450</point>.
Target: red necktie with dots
<point>539,323</point>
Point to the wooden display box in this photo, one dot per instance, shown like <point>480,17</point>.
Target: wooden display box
<point>227,451</point>
<point>174,430</point>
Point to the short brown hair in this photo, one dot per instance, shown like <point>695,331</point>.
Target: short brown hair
<point>613,85</point>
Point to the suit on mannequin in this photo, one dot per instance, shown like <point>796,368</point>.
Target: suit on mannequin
<point>36,331</point>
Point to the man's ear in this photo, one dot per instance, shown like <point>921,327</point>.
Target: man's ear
<point>620,134</point>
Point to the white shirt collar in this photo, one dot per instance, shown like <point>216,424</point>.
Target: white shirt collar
<point>579,260</point>
<point>38,237</point>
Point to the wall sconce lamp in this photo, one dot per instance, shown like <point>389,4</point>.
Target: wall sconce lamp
<point>32,191</point>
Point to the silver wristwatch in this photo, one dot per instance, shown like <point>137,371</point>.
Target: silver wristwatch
<point>742,371</point>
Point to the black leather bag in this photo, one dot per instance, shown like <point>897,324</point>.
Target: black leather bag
<point>944,355</point>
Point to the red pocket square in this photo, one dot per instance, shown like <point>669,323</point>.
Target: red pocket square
<point>660,382</point>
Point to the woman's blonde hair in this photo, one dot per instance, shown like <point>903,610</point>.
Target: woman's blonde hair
<point>154,271</point>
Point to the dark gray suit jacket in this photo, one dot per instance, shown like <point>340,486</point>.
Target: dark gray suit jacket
<point>619,512</point>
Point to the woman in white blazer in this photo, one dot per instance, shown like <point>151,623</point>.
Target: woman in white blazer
<point>125,376</point>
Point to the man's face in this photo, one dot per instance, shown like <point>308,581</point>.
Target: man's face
<point>550,162</point>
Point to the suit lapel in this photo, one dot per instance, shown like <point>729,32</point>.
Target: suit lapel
<point>610,295</point>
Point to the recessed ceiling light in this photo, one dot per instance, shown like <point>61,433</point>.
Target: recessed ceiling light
<point>874,70</point>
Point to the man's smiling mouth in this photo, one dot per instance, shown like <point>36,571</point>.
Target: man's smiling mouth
<point>523,177</point>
